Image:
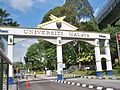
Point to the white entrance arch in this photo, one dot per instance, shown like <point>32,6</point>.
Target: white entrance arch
<point>59,32</point>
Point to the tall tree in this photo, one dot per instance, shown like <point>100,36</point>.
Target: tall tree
<point>41,55</point>
<point>59,12</point>
<point>80,8</point>
<point>5,18</point>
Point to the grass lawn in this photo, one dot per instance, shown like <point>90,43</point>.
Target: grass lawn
<point>115,72</point>
<point>40,72</point>
<point>84,73</point>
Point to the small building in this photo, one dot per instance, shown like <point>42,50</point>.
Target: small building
<point>4,62</point>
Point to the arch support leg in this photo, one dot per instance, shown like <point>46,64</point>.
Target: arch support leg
<point>108,62</point>
<point>109,68</point>
<point>99,69</point>
<point>10,56</point>
<point>59,59</point>
<point>97,57</point>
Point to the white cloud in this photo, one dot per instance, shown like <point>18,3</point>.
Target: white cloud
<point>21,5</point>
<point>25,45</point>
<point>18,53</point>
<point>28,42</point>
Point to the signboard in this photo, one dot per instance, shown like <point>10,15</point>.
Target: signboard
<point>55,33</point>
<point>3,31</point>
<point>61,65</point>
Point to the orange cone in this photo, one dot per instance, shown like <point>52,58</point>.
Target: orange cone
<point>27,84</point>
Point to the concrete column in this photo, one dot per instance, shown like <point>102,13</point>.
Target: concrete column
<point>98,59</point>
<point>59,59</point>
<point>108,61</point>
<point>10,56</point>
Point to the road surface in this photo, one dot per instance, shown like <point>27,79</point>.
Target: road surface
<point>49,85</point>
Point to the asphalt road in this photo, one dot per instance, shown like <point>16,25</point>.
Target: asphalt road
<point>48,85</point>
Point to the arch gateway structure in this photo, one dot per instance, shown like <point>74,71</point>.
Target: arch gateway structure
<point>59,32</point>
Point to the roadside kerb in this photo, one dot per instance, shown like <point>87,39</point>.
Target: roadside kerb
<point>84,85</point>
<point>92,77</point>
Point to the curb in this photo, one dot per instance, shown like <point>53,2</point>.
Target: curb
<point>91,77</point>
<point>84,85</point>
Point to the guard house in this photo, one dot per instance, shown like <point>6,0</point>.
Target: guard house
<point>4,62</point>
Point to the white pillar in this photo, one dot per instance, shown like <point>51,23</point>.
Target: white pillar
<point>10,56</point>
<point>108,61</point>
<point>98,59</point>
<point>59,59</point>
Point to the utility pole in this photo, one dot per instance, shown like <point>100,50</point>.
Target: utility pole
<point>118,49</point>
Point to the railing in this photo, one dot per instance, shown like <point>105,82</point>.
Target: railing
<point>4,57</point>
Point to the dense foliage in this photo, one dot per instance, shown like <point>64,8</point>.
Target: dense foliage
<point>41,55</point>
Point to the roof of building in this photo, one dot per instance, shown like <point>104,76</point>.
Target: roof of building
<point>3,57</point>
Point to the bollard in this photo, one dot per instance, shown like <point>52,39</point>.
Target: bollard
<point>27,83</point>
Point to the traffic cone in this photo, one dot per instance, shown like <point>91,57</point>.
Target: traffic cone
<point>27,84</point>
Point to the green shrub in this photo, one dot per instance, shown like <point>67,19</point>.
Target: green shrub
<point>40,72</point>
<point>86,72</point>
<point>91,72</point>
<point>118,70</point>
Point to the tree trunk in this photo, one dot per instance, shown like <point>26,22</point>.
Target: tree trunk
<point>80,66</point>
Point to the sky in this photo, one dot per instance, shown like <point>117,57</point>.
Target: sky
<point>29,13</point>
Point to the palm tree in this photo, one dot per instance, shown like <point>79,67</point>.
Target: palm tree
<point>13,23</point>
<point>5,20</point>
<point>4,17</point>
